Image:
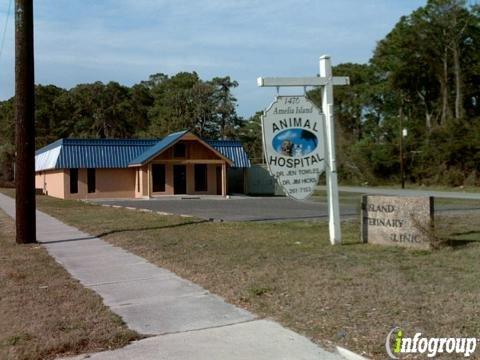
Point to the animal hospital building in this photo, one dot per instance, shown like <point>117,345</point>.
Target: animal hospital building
<point>181,163</point>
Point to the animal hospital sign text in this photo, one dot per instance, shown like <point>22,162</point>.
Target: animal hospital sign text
<point>294,144</point>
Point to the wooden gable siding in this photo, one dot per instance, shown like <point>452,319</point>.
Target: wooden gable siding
<point>194,151</point>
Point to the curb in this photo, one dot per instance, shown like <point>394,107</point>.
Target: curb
<point>349,355</point>
<point>162,213</point>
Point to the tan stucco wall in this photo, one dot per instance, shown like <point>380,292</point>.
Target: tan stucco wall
<point>212,179</point>
<point>190,179</point>
<point>118,183</point>
<point>40,180</point>
<point>141,181</point>
<point>138,181</point>
<point>52,181</point>
<point>110,183</point>
<point>142,176</point>
<point>169,189</point>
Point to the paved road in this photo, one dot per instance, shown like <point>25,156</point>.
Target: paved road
<point>253,208</point>
<point>407,192</point>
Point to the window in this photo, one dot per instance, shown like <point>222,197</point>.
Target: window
<point>201,180</point>
<point>91,180</point>
<point>179,150</point>
<point>158,177</point>
<point>73,181</point>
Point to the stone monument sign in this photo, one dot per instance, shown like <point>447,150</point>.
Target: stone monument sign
<point>397,220</point>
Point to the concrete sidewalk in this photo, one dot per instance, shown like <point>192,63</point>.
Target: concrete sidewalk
<point>188,322</point>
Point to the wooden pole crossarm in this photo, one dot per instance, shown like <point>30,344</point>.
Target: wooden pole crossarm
<point>302,81</point>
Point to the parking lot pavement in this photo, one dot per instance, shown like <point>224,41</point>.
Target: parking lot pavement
<point>244,208</point>
<point>238,209</point>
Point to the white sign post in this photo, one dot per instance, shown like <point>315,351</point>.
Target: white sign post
<point>326,81</point>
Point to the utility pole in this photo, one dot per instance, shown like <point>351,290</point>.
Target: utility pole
<point>25,123</point>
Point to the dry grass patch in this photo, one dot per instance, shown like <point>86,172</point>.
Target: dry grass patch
<point>350,295</point>
<point>44,312</point>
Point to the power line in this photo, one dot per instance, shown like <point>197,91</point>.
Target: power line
<point>5,27</point>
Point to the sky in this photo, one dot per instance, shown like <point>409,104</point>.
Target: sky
<point>81,41</point>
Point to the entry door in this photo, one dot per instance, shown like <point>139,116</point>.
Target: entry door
<point>158,177</point>
<point>179,179</point>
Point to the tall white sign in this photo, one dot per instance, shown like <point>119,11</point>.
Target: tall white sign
<point>326,81</point>
<point>294,144</point>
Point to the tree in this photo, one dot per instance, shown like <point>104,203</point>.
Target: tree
<point>7,139</point>
<point>48,114</point>
<point>102,111</point>
<point>141,100</point>
<point>172,107</point>
<point>250,134</point>
<point>154,80</point>
<point>184,101</point>
<point>424,51</point>
<point>225,105</point>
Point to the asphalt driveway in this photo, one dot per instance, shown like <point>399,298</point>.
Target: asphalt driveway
<point>238,209</point>
<point>244,208</point>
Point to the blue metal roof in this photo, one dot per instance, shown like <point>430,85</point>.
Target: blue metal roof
<point>120,153</point>
<point>50,146</point>
<point>161,145</point>
<point>93,153</point>
<point>232,149</point>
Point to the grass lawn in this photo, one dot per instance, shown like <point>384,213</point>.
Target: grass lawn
<point>349,295</point>
<point>44,312</point>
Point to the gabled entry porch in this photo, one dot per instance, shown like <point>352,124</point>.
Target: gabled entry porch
<point>187,178</point>
<point>182,164</point>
